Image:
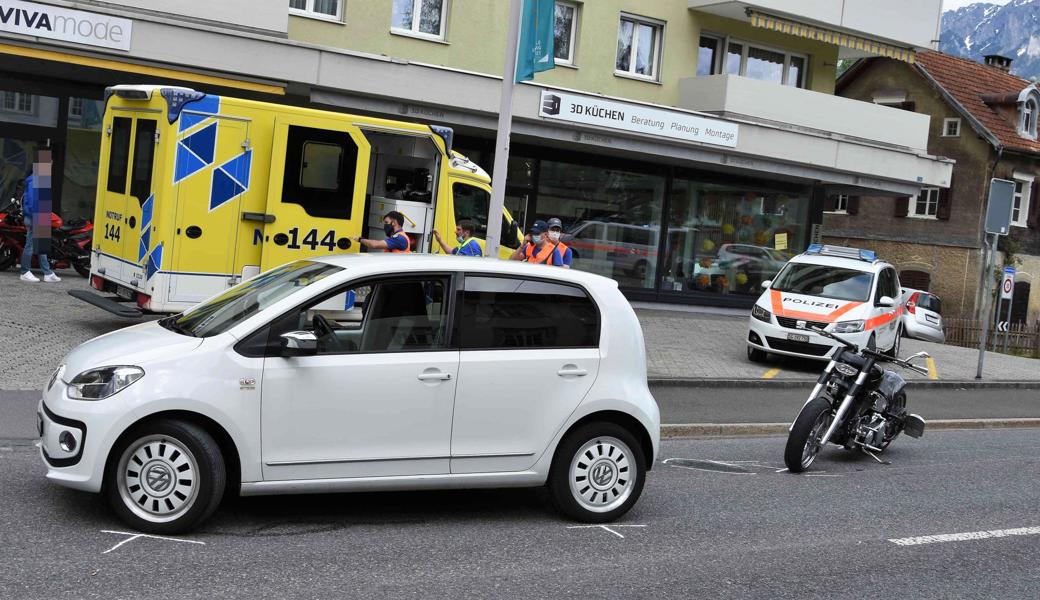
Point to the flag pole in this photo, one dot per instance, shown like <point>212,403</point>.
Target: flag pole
<point>505,125</point>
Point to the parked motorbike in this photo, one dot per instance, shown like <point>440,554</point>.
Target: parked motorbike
<point>70,242</point>
<point>856,403</point>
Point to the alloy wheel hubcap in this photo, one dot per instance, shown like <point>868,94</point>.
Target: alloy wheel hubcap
<point>602,474</point>
<point>158,478</point>
<point>812,445</point>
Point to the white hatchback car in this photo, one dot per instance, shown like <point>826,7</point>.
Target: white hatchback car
<point>362,373</point>
<point>842,290</point>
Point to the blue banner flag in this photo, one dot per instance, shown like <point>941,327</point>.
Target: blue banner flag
<point>535,52</point>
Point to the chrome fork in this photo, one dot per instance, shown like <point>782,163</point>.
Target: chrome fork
<point>844,407</point>
<point>816,389</point>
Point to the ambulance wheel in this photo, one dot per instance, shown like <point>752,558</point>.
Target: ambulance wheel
<point>755,355</point>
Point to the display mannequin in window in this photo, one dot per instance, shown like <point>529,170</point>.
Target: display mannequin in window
<point>396,242</point>
<point>464,236</point>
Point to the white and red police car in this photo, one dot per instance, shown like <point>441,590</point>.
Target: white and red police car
<point>846,291</point>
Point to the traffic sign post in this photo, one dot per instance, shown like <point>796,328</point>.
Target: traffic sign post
<point>1007,292</point>
<point>998,222</point>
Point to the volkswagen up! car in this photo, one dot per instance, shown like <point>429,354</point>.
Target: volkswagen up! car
<point>922,317</point>
<point>362,372</point>
<point>841,290</point>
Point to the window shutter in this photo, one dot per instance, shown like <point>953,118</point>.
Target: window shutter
<point>942,211</point>
<point>1034,207</point>
<point>830,203</point>
<point>902,206</point>
<point>853,205</point>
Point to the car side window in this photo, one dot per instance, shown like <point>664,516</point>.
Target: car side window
<point>509,313</point>
<point>393,315</point>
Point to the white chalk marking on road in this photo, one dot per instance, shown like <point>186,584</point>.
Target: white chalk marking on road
<point>781,470</point>
<point>714,462</point>
<point>821,475</point>
<point>134,536</point>
<point>964,537</point>
<point>604,528</point>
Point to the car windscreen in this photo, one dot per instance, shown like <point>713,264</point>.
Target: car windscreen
<point>247,298</point>
<point>824,281</point>
<point>929,302</point>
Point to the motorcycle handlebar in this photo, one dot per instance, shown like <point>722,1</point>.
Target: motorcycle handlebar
<point>871,353</point>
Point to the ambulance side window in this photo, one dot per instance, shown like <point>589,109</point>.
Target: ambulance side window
<point>320,166</point>
<point>119,154</point>
<point>473,203</point>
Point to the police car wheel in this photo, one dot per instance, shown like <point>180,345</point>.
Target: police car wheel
<point>597,473</point>
<point>166,477</point>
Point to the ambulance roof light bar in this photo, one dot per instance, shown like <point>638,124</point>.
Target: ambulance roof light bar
<point>842,252</point>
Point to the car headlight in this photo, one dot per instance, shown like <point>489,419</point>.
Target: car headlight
<point>848,327</point>
<point>100,383</point>
<point>760,313</point>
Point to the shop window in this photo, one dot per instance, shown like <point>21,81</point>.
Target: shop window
<point>638,47</point>
<point>82,149</point>
<point>1020,204</point>
<point>924,205</point>
<point>917,280</point>
<point>324,9</point>
<point>473,203</point>
<point>565,26</point>
<point>28,109</point>
<point>951,128</point>
<point>728,239</point>
<point>119,154</point>
<point>144,151</point>
<point>423,18</point>
<point>506,313</point>
<point>18,102</point>
<point>320,168</point>
<point>611,218</point>
<point>751,60</point>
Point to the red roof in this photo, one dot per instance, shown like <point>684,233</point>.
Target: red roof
<point>967,81</point>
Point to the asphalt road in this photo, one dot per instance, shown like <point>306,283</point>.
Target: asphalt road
<point>697,532</point>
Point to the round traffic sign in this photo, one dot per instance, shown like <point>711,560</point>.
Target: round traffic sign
<point>1009,284</point>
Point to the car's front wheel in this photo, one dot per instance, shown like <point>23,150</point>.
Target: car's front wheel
<point>167,477</point>
<point>598,473</point>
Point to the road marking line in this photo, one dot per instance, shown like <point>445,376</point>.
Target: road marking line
<point>933,373</point>
<point>771,373</point>
<point>963,537</point>
<point>781,470</point>
<point>134,536</point>
<point>604,528</point>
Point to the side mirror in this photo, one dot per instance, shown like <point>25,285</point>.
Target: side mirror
<point>299,343</point>
<point>886,301</point>
<point>766,284</point>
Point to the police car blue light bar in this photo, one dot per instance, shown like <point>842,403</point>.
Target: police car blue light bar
<point>842,252</point>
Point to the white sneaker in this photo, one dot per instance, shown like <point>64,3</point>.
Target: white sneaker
<point>28,276</point>
<point>51,278</point>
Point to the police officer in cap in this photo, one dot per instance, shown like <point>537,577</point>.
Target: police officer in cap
<point>537,248</point>
<point>554,233</point>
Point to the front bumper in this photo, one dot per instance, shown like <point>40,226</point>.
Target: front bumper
<point>773,338</point>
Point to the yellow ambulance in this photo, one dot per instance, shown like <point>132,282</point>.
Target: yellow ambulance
<point>197,192</point>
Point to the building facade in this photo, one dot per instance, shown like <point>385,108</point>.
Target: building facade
<point>721,140</point>
<point>984,118</point>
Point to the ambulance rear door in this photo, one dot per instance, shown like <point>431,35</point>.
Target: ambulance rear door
<point>316,197</point>
<point>212,171</point>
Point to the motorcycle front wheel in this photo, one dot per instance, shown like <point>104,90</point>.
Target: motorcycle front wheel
<point>803,443</point>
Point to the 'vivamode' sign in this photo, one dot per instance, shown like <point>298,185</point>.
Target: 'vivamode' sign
<point>637,118</point>
<point>77,26</point>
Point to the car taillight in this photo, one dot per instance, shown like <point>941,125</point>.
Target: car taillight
<point>97,283</point>
<point>143,299</point>
<point>911,304</point>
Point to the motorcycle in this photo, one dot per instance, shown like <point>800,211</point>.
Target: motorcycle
<point>856,403</point>
<point>70,242</point>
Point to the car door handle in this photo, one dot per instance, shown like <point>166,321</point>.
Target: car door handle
<point>571,370</point>
<point>435,376</point>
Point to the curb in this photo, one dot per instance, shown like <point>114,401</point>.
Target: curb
<point>687,430</point>
<point>719,382</point>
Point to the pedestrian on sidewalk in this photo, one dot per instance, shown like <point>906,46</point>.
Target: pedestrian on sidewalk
<point>555,231</point>
<point>37,235</point>
<point>537,248</point>
<point>464,236</point>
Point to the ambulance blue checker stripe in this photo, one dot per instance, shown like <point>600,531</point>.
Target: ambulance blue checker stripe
<point>207,104</point>
<point>230,179</point>
<point>195,152</point>
<point>154,262</point>
<point>146,228</point>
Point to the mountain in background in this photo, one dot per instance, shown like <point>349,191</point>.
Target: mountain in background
<point>1012,30</point>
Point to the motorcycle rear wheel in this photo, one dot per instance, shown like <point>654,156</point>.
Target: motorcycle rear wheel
<point>803,443</point>
<point>82,266</point>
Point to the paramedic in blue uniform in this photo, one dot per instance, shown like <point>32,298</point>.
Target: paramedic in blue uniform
<point>396,241</point>
<point>464,236</point>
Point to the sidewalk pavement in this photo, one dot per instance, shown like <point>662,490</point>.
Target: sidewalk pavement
<point>688,346</point>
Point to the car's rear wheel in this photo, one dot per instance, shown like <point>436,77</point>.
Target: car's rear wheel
<point>597,473</point>
<point>169,477</point>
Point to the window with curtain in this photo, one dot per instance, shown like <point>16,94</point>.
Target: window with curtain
<point>638,48</point>
<point>424,18</point>
<point>326,9</point>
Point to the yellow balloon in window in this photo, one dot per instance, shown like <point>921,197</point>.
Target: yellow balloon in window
<point>741,278</point>
<point>708,245</point>
<point>728,229</point>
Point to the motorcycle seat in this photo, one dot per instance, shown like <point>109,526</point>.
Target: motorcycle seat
<point>72,225</point>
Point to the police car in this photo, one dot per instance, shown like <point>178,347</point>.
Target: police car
<point>846,291</point>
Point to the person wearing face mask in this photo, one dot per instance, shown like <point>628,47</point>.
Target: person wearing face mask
<point>464,236</point>
<point>396,241</point>
<point>554,233</point>
<point>537,248</point>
